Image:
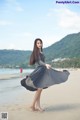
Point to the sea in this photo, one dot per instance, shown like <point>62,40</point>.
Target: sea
<point>10,89</point>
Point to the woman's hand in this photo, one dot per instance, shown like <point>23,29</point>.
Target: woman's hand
<point>48,66</point>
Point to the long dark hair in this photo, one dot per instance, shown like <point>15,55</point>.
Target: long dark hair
<point>35,53</point>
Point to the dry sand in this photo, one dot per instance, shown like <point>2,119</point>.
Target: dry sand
<point>61,102</point>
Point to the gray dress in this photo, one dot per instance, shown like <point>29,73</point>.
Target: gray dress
<point>42,77</point>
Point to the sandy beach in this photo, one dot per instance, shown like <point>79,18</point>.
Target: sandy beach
<point>61,102</point>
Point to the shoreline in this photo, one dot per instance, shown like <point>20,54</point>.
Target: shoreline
<point>19,75</point>
<point>12,76</point>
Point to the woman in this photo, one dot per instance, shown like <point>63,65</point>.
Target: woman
<point>43,76</point>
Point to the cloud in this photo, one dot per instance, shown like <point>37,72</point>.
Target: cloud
<point>65,18</point>
<point>15,5</point>
<point>51,12</point>
<point>27,34</point>
<point>11,46</point>
<point>68,19</point>
<point>4,23</point>
<point>19,9</point>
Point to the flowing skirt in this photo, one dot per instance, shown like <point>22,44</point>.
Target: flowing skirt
<point>42,77</point>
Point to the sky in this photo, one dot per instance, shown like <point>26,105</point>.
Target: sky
<point>22,21</point>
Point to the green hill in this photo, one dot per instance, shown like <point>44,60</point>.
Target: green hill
<point>68,47</point>
<point>14,57</point>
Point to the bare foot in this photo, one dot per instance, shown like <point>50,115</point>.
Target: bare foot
<point>33,108</point>
<point>40,109</point>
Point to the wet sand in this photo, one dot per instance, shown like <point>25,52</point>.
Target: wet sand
<point>11,76</point>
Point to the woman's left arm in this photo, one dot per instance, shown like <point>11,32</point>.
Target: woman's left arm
<point>40,62</point>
